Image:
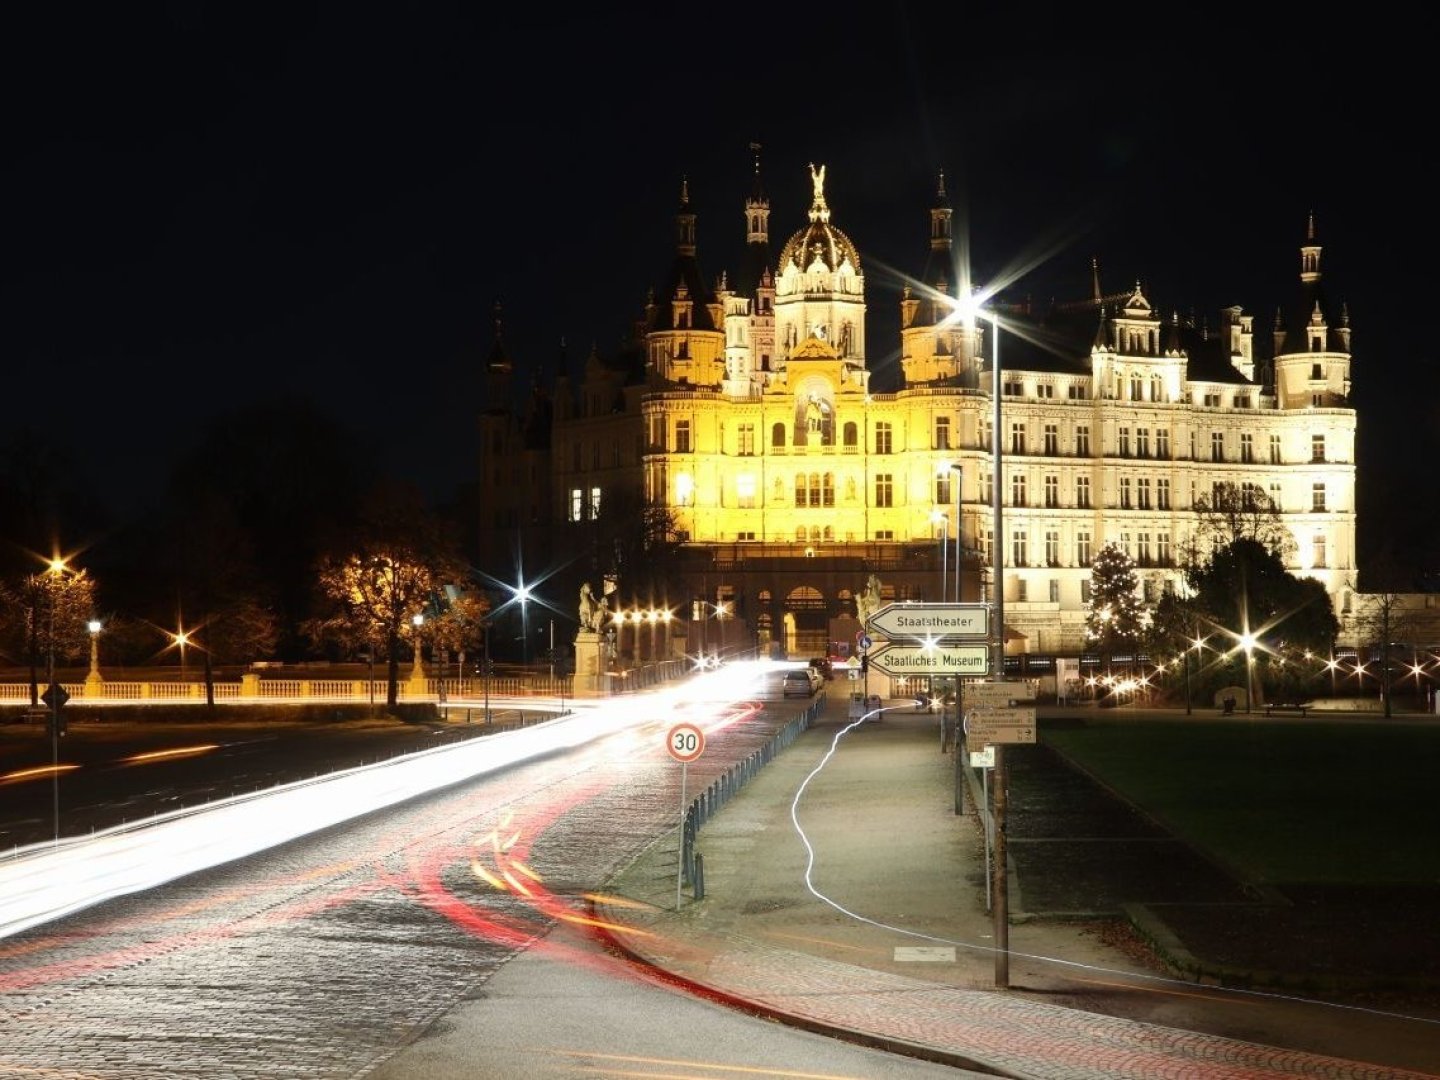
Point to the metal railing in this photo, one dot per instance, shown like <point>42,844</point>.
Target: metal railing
<point>725,787</point>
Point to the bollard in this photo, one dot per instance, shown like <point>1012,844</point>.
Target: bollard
<point>699,876</point>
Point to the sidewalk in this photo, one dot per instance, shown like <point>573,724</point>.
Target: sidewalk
<point>896,950</point>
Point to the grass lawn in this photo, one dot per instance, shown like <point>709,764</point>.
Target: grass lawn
<point>1280,801</point>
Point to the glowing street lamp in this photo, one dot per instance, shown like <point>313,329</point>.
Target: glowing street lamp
<point>93,681</point>
<point>417,672</point>
<point>522,594</point>
<point>182,638</point>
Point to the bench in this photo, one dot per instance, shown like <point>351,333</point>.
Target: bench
<point>1288,706</point>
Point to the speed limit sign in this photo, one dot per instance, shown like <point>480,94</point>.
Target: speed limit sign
<point>686,742</point>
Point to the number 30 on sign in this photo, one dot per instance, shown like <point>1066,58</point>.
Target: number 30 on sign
<point>686,742</point>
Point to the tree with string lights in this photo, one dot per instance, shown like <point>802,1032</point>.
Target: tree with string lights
<point>1116,615</point>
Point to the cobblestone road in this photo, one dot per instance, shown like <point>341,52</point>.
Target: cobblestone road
<point>321,958</point>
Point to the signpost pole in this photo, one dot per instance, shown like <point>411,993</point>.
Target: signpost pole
<point>680,848</point>
<point>686,743</point>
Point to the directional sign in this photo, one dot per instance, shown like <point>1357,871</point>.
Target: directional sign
<point>1000,694</point>
<point>931,660</point>
<point>55,695</point>
<point>985,731</point>
<point>940,621</point>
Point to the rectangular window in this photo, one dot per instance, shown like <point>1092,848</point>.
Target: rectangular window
<point>1022,590</point>
<point>1085,590</point>
<point>1052,548</point>
<point>1247,448</point>
<point>1142,493</point>
<point>743,536</point>
<point>745,491</point>
<point>984,434</point>
<point>942,433</point>
<point>884,437</point>
<point>987,489</point>
<point>1142,442</point>
<point>1142,549</point>
<point>1317,447</point>
<point>884,534</point>
<point>1217,446</point>
<point>1125,493</point>
<point>1052,491</point>
<point>1020,548</point>
<point>942,489</point>
<point>1317,497</point>
<point>1017,490</point>
<point>1045,390</point>
<point>1275,497</point>
<point>746,441</point>
<point>827,491</point>
<point>1162,548</point>
<point>1052,439</point>
<point>1162,444</point>
<point>1082,548</point>
<point>1317,552</point>
<point>1275,450</point>
<point>577,504</point>
<point>682,436</point>
<point>1124,442</point>
<point>1054,590</point>
<point>1077,392</point>
<point>1082,440</point>
<point>1162,494</point>
<point>1082,492</point>
<point>1125,545</point>
<point>884,490</point>
<point>1017,438</point>
<point>594,503</point>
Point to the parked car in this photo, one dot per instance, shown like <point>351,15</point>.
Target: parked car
<point>802,682</point>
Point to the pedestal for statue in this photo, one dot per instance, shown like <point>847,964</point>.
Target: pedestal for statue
<point>590,663</point>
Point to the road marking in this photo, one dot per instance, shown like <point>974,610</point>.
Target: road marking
<point>929,954</point>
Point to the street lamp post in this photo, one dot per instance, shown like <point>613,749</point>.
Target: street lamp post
<point>94,684</point>
<point>944,520</point>
<point>417,671</point>
<point>1001,912</point>
<point>1247,642</point>
<point>959,496</point>
<point>485,626</point>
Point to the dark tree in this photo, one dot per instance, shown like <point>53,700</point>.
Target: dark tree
<point>1252,599</point>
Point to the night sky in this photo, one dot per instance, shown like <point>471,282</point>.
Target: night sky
<point>211,209</point>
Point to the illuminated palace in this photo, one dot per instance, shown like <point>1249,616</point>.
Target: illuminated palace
<point>746,409</point>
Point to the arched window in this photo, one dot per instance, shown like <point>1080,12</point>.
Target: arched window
<point>777,435</point>
<point>800,534</point>
<point>852,434</point>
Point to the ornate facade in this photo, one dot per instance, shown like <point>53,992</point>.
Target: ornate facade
<point>746,408</point>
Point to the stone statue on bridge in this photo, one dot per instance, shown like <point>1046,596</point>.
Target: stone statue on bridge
<point>592,611</point>
<point>868,601</point>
